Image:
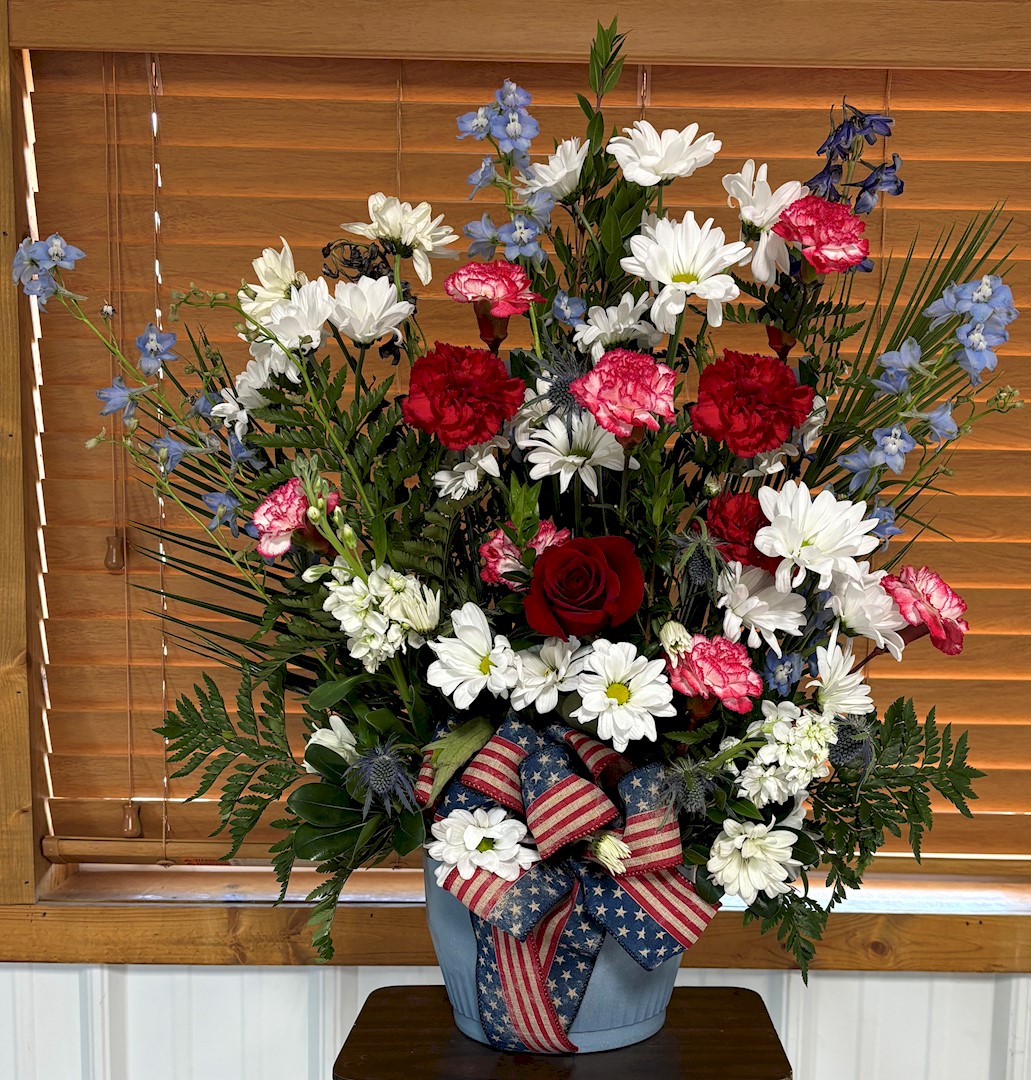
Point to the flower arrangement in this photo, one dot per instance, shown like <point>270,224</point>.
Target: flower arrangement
<point>597,610</point>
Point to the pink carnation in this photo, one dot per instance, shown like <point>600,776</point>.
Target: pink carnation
<point>501,557</point>
<point>715,667</point>
<point>504,285</point>
<point>925,600</point>
<point>626,390</point>
<point>281,514</point>
<point>829,234</point>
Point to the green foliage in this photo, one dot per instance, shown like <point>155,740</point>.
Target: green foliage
<point>452,751</point>
<point>799,922</point>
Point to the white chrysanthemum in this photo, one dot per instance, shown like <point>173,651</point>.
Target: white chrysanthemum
<point>802,440</point>
<point>648,157</point>
<point>812,427</point>
<point>764,785</point>
<point>246,395</point>
<point>750,857</point>
<point>675,638</point>
<point>623,692</point>
<point>467,475</point>
<point>278,362</point>
<point>752,602</point>
<point>577,450</point>
<point>760,208</point>
<point>534,408</point>
<point>337,737</point>
<point>276,277</point>
<point>298,321</point>
<point>822,535</point>
<point>560,174</point>
<point>623,324</point>
<point>480,839</point>
<point>547,671</point>
<point>682,259</point>
<point>864,607</point>
<point>414,231</point>
<point>473,660</point>
<point>840,691</point>
<point>367,309</point>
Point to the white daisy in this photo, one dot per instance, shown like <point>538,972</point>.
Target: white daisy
<point>298,321</point>
<point>822,535</point>
<point>648,157</point>
<point>473,660</point>
<point>480,839</point>
<point>413,231</point>
<point>276,277</point>
<point>560,174</point>
<point>753,603</point>
<point>760,208</point>
<point>466,477</point>
<point>547,671</point>
<point>623,324</point>
<point>577,450</point>
<point>682,259</point>
<point>623,692</point>
<point>367,309</point>
<point>749,857</point>
<point>864,607</point>
<point>840,691</point>
<point>337,737</point>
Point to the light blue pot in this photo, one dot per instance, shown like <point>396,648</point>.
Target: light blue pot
<point>624,1004</point>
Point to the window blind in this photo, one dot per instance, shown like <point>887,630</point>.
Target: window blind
<point>169,169</point>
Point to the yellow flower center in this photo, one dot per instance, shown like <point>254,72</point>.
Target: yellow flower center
<point>685,278</point>
<point>485,665</point>
<point>486,844</point>
<point>619,692</point>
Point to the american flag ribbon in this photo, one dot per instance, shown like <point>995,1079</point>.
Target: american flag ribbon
<point>651,833</point>
<point>599,760</point>
<point>518,906</point>
<point>494,771</point>
<point>424,781</point>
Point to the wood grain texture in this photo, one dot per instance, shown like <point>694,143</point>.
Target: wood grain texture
<point>924,33</point>
<point>699,1023</point>
<point>231,934</point>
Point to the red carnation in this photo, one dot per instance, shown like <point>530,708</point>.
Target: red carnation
<point>584,587</point>
<point>461,395</point>
<point>829,234</point>
<point>626,390</point>
<point>733,521</point>
<point>751,403</point>
<point>926,601</point>
<point>504,285</point>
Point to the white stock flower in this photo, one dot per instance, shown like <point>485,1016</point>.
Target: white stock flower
<point>622,324</point>
<point>749,857</point>
<point>797,744</point>
<point>466,477</point>
<point>480,839</point>
<point>367,309</point>
<point>864,607</point>
<point>245,396</point>
<point>276,277</point>
<point>278,362</point>
<point>297,322</point>
<point>683,259</point>
<point>623,692</point>
<point>840,691</point>
<point>473,660</point>
<point>337,737</point>
<point>547,671</point>
<point>822,535</point>
<point>648,157</point>
<point>413,230</point>
<point>555,450</point>
<point>752,602</point>
<point>560,174</point>
<point>760,208</point>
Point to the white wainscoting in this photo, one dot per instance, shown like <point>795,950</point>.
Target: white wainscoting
<point>198,1023</point>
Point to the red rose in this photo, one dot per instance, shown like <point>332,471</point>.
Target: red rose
<point>583,587</point>
<point>461,395</point>
<point>751,403</point>
<point>733,521</point>
<point>829,234</point>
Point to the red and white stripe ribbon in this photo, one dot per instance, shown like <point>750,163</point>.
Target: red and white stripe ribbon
<point>670,899</point>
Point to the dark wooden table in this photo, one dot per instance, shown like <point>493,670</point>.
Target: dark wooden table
<point>711,1033</point>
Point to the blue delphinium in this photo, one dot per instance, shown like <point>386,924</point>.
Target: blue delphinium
<point>42,287</point>
<point>537,206</point>
<point>520,238</point>
<point>892,381</point>
<point>881,178</point>
<point>512,96</point>
<point>986,299</point>
<point>893,443</point>
<point>484,236</point>
<point>483,177</point>
<point>897,366</point>
<point>863,464</point>
<point>381,772</point>
<point>886,527</point>
<point>978,342</point>
<point>203,404</point>
<point>223,507</point>
<point>57,252</point>
<point>242,453</point>
<point>155,347</point>
<point>783,672</point>
<point>845,145</point>
<point>170,452</point>
<point>513,130</point>
<point>940,423</point>
<point>825,182</point>
<point>476,123</point>
<point>121,398</point>
<point>568,310</point>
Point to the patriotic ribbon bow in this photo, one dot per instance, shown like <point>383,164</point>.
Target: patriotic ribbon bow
<point>537,937</point>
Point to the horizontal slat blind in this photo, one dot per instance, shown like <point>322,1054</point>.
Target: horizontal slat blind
<point>251,148</point>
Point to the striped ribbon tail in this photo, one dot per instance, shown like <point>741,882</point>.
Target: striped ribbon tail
<point>651,832</point>
<point>424,781</point>
<point>601,761</point>
<point>494,771</point>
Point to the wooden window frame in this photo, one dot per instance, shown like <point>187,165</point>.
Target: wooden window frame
<point>49,913</point>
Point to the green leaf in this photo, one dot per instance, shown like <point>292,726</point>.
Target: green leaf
<point>324,805</point>
<point>326,695</point>
<point>409,832</point>
<point>452,751</point>
<point>323,845</point>
<point>330,765</point>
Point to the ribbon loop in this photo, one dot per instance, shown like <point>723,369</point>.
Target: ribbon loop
<point>651,833</point>
<point>494,771</point>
